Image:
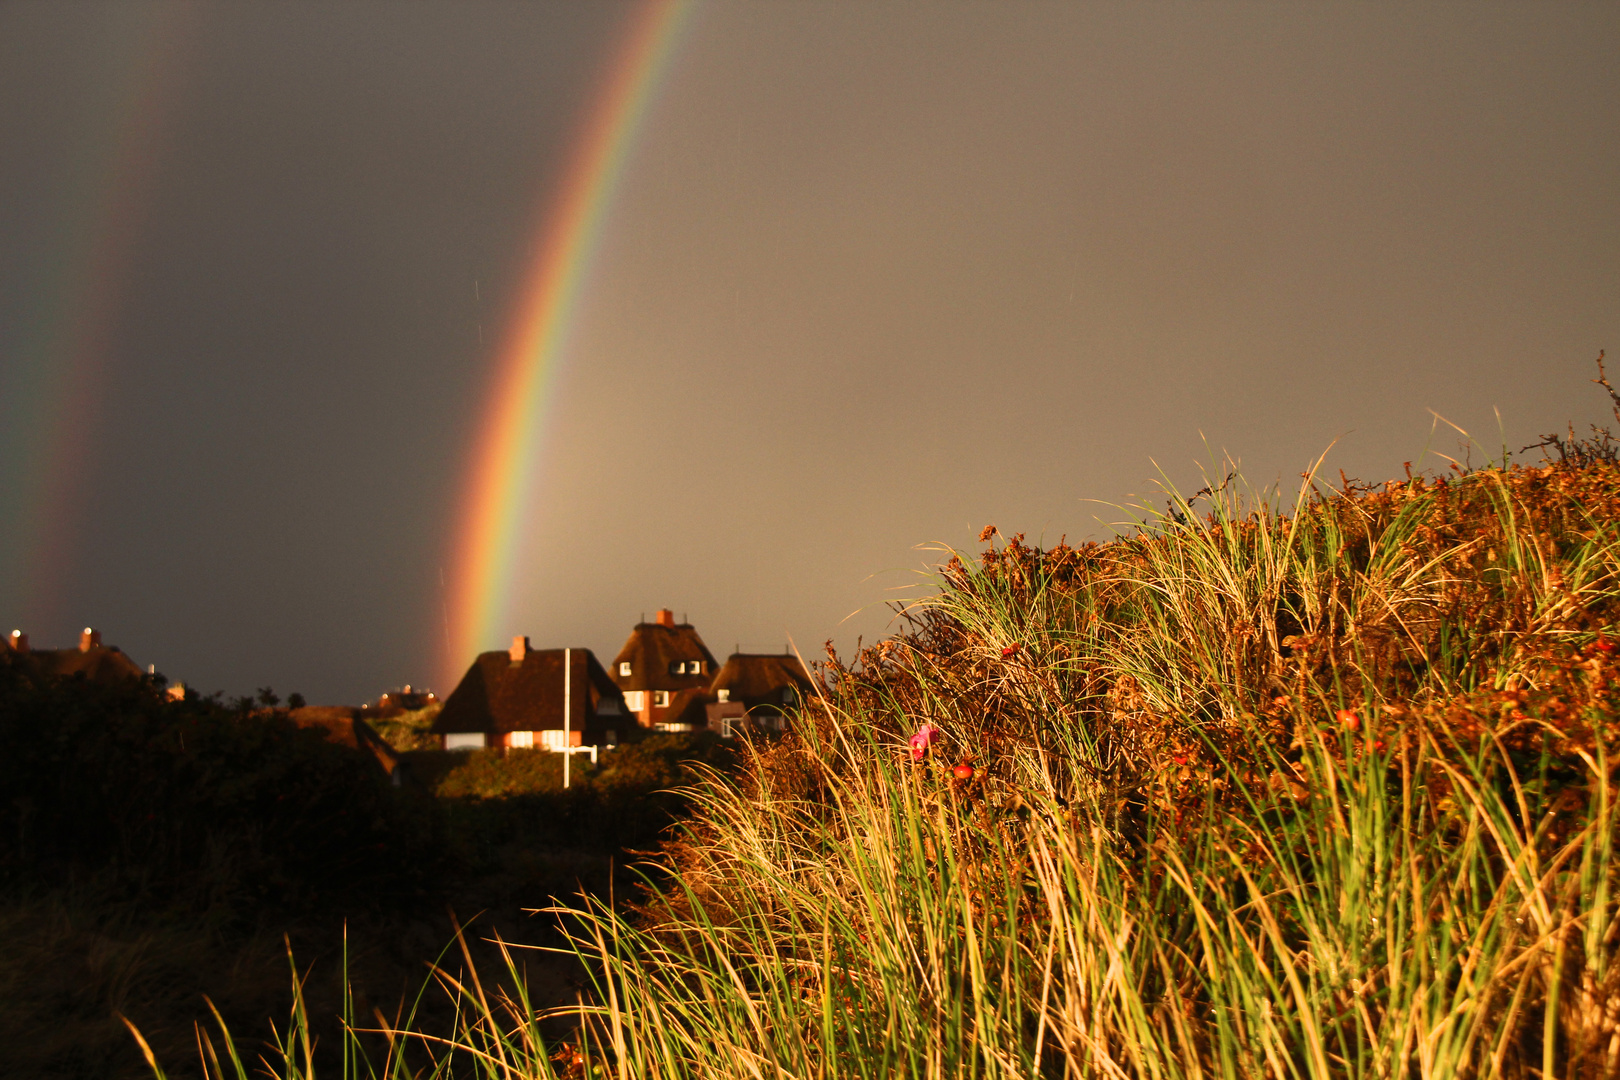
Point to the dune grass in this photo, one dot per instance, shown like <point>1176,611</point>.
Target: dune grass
<point>1244,793</point>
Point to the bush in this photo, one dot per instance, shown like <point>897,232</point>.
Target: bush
<point>186,801</point>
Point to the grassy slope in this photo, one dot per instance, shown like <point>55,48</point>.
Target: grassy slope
<point>1316,795</point>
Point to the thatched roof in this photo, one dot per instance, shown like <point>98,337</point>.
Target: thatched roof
<point>500,694</point>
<point>654,652</point>
<point>760,679</point>
<point>96,662</point>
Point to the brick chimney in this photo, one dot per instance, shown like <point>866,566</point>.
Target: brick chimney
<point>666,617</point>
<point>18,641</point>
<point>519,649</point>
<point>89,639</point>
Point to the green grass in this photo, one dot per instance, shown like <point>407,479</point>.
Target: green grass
<point>1326,793</point>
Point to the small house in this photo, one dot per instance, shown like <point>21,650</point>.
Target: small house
<point>532,698</point>
<point>662,669</point>
<point>764,687</point>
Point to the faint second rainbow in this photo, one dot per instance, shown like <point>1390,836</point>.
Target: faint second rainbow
<point>504,465</point>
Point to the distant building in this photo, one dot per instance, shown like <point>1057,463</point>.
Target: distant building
<point>92,660</point>
<point>515,699</point>
<point>671,682</point>
<point>662,670</point>
<point>393,702</point>
<point>768,687</point>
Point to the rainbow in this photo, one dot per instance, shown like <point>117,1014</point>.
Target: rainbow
<point>503,465</point>
<point>61,368</point>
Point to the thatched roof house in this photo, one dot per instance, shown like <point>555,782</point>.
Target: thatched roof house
<point>766,685</point>
<point>92,660</point>
<point>659,662</point>
<point>516,699</point>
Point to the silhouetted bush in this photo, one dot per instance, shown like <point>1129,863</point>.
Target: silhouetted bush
<point>191,802</point>
<point>494,797</point>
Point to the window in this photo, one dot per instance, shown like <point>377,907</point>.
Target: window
<point>695,666</point>
<point>464,740</point>
<point>660,699</point>
<point>520,740</point>
<point>635,700</point>
<point>789,696</point>
<point>677,667</point>
<point>624,669</point>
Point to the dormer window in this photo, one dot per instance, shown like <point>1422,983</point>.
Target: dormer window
<point>624,669</point>
<point>661,699</point>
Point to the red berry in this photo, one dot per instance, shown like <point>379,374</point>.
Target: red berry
<point>1009,650</point>
<point>1349,719</point>
<point>963,772</point>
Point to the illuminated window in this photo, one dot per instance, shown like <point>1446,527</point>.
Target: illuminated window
<point>624,668</point>
<point>635,700</point>
<point>520,740</point>
<point>660,699</point>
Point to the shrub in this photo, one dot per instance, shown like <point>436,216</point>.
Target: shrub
<point>187,801</point>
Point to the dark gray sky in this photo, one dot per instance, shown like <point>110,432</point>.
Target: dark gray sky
<point>875,276</point>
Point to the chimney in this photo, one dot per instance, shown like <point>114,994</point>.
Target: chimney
<point>89,639</point>
<point>18,641</point>
<point>519,649</point>
<point>666,617</point>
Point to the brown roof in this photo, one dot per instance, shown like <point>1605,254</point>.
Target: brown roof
<point>499,694</point>
<point>342,725</point>
<point>653,649</point>
<point>756,679</point>
<point>99,663</point>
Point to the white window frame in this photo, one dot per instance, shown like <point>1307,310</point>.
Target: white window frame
<point>465,740</point>
<point>635,700</point>
<point>520,740</point>
<point>624,669</point>
<point>660,699</point>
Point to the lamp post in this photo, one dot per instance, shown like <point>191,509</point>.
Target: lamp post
<point>568,713</point>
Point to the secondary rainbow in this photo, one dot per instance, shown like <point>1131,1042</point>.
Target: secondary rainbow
<point>504,461</point>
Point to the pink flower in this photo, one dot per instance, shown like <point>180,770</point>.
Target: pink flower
<point>922,740</point>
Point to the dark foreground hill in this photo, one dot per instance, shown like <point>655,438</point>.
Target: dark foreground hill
<point>154,851</point>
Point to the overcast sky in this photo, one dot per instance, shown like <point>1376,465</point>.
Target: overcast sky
<point>876,276</point>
